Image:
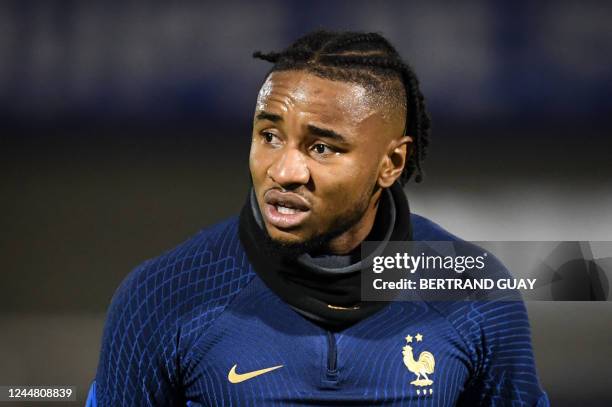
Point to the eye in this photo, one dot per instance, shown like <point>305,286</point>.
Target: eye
<point>323,149</point>
<point>269,137</point>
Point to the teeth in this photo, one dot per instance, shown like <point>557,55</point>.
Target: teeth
<point>286,211</point>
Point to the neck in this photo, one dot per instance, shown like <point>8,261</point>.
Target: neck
<point>350,239</point>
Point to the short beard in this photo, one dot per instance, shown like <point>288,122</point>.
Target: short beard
<point>320,243</point>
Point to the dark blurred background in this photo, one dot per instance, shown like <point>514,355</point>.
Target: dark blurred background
<point>125,126</point>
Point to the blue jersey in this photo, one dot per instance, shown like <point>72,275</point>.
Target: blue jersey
<point>198,327</point>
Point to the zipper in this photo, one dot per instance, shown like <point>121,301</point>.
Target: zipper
<point>332,357</point>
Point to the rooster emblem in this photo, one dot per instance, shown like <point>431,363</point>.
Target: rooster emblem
<point>423,366</point>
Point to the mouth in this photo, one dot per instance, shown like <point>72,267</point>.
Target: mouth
<point>285,210</point>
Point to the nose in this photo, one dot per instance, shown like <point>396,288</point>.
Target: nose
<point>290,169</point>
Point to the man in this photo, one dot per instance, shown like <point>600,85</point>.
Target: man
<point>265,309</point>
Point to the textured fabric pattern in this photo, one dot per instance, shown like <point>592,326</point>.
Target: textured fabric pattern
<point>179,323</point>
<point>173,296</point>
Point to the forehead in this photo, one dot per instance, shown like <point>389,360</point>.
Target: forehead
<point>291,91</point>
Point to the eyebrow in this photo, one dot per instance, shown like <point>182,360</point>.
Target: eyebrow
<point>268,116</point>
<point>314,130</point>
<point>327,133</point>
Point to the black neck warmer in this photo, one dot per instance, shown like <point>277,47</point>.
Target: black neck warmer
<point>324,288</point>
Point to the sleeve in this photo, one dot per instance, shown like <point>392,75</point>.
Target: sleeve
<point>91,396</point>
<point>137,365</point>
<point>505,366</point>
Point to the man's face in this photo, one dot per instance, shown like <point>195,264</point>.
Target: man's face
<point>318,150</point>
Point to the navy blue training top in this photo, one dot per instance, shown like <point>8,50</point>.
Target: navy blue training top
<point>196,326</point>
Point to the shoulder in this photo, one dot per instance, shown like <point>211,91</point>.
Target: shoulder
<point>426,230</point>
<point>209,266</point>
<point>473,319</point>
<point>193,281</point>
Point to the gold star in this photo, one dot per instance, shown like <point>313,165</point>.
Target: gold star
<point>419,337</point>
<point>409,339</point>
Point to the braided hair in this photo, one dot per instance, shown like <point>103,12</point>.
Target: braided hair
<point>370,60</point>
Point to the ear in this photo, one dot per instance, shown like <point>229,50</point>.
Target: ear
<point>394,161</point>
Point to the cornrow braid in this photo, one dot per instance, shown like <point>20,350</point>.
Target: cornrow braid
<point>350,39</point>
<point>270,57</point>
<point>368,59</point>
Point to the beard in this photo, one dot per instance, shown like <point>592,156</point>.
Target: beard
<point>320,243</point>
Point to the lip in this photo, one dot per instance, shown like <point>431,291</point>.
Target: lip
<point>272,198</point>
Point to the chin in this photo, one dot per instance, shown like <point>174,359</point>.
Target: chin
<point>291,244</point>
<point>285,238</point>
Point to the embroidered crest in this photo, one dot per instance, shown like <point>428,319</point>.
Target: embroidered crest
<point>421,367</point>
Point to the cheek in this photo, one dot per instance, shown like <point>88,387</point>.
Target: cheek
<point>353,173</point>
<point>257,162</point>
<point>342,187</point>
<point>254,163</point>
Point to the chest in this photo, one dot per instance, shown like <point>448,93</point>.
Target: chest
<point>260,352</point>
